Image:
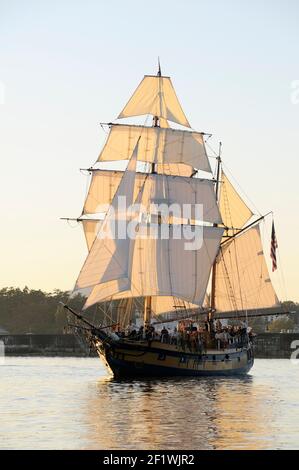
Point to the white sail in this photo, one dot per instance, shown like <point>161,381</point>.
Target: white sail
<point>234,212</point>
<point>91,228</point>
<point>102,189</point>
<point>182,192</point>
<point>159,304</point>
<point>155,95</point>
<point>159,264</point>
<point>109,257</point>
<point>242,278</point>
<point>164,267</point>
<point>157,145</point>
<point>157,188</point>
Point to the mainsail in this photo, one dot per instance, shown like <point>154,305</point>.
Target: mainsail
<point>242,281</point>
<point>242,278</point>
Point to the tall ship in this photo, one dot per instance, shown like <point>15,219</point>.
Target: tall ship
<point>172,242</point>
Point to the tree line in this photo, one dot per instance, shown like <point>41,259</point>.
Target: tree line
<point>34,311</point>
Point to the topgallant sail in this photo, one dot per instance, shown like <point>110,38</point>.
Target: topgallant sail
<point>166,232</point>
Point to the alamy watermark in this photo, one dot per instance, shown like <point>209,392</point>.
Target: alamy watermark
<point>2,93</point>
<point>2,352</point>
<point>156,221</point>
<point>295,353</point>
<point>295,92</point>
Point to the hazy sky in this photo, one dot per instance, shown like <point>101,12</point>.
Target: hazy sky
<point>65,66</point>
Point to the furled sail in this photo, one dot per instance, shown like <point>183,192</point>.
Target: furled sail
<point>234,212</point>
<point>155,95</point>
<point>157,145</point>
<point>175,169</point>
<point>242,278</point>
<point>163,267</point>
<point>157,188</point>
<point>109,256</point>
<point>169,304</point>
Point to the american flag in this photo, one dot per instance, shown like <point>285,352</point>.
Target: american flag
<point>274,245</point>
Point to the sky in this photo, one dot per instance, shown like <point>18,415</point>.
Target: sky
<point>66,66</point>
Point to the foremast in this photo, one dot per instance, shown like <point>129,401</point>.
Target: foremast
<point>162,272</point>
<point>148,299</point>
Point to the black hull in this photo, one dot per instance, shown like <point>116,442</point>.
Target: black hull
<point>140,359</point>
<point>122,369</point>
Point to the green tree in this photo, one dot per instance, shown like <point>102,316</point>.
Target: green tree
<point>292,307</point>
<point>34,311</point>
<point>281,324</point>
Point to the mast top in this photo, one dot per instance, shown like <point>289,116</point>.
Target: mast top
<point>220,151</point>
<point>159,68</point>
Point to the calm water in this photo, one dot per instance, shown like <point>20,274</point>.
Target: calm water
<point>72,403</point>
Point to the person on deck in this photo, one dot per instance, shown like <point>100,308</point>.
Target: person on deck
<point>218,338</point>
<point>174,337</point>
<point>218,326</point>
<point>244,327</point>
<point>164,335</point>
<point>225,338</point>
<point>140,333</point>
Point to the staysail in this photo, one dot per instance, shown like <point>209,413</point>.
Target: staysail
<point>234,211</point>
<point>110,255</point>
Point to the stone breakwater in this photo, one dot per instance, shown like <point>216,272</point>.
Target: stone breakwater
<point>276,345</point>
<point>44,345</point>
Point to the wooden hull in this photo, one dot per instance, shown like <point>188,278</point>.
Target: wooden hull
<point>139,359</point>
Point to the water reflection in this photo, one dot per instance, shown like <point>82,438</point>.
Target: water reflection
<point>204,413</point>
<point>71,403</point>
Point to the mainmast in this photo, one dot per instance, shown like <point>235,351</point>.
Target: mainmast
<point>213,287</point>
<point>148,300</point>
